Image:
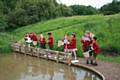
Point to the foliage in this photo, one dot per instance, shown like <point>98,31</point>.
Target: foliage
<point>18,13</point>
<point>111,8</point>
<point>3,24</point>
<point>83,10</point>
<point>6,39</point>
<point>109,58</point>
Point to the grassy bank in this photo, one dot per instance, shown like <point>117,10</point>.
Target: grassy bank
<point>106,29</point>
<point>6,39</point>
<point>109,58</point>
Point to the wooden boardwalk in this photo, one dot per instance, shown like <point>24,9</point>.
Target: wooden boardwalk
<point>56,56</point>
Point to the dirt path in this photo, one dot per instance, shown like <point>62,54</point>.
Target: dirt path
<point>111,71</point>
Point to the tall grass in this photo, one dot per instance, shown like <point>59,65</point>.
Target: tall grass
<point>5,42</point>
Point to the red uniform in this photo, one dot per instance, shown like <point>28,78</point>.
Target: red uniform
<point>96,48</point>
<point>34,37</point>
<point>73,43</point>
<point>50,41</point>
<point>30,36</point>
<point>42,41</point>
<point>69,46</point>
<point>65,44</point>
<point>86,43</point>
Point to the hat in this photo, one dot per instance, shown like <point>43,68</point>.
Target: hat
<point>49,33</point>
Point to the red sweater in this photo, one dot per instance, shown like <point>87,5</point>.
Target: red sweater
<point>35,38</point>
<point>86,43</point>
<point>69,46</point>
<point>96,48</point>
<point>42,41</point>
<point>30,36</point>
<point>50,41</point>
<point>73,43</point>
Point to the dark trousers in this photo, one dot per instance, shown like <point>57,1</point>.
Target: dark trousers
<point>43,46</point>
<point>86,48</point>
<point>94,57</point>
<point>51,47</point>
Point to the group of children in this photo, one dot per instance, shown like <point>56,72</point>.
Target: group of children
<point>90,48</point>
<point>31,39</point>
<point>89,45</point>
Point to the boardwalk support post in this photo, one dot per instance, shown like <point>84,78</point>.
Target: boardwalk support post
<point>69,58</point>
<point>57,56</point>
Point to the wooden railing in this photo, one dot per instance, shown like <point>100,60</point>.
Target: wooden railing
<point>55,55</point>
<point>43,53</point>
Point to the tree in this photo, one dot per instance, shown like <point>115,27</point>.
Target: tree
<point>111,8</point>
<point>18,13</point>
<point>83,10</point>
<point>3,24</point>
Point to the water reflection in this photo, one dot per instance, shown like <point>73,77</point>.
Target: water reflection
<point>21,67</point>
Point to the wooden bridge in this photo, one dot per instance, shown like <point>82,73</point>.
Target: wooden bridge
<point>44,53</point>
<point>57,56</point>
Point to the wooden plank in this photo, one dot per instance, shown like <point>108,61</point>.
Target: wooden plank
<point>57,56</point>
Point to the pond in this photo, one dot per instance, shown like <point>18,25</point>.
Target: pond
<point>21,67</point>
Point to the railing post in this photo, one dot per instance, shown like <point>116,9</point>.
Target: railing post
<point>16,48</point>
<point>28,50</point>
<point>33,51</point>
<point>38,52</point>
<point>46,53</point>
<point>57,56</point>
<point>69,58</point>
<point>22,49</point>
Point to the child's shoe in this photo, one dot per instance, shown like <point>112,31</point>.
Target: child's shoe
<point>95,64</point>
<point>87,62</point>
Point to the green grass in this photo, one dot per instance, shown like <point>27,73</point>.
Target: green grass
<point>109,58</point>
<point>6,39</point>
<point>106,29</point>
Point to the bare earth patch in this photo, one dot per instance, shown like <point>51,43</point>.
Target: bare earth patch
<point>111,71</point>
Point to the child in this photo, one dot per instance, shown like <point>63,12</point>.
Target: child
<point>65,42</point>
<point>31,35</point>
<point>92,35</point>
<point>42,41</point>
<point>73,45</point>
<point>96,50</point>
<point>28,40</point>
<point>50,40</point>
<point>35,39</point>
<point>86,41</point>
<point>69,47</point>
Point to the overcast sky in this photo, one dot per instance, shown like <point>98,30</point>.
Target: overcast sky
<point>94,3</point>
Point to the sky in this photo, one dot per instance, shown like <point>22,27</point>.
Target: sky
<point>94,3</point>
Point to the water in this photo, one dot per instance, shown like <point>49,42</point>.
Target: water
<point>21,67</point>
